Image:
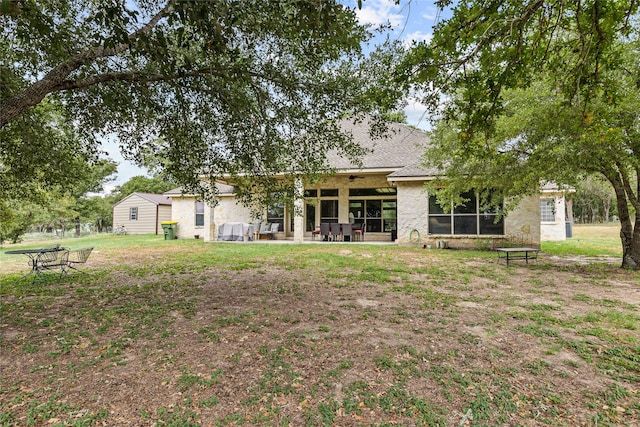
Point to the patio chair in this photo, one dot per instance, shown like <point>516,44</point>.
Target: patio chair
<point>274,229</point>
<point>347,232</point>
<point>358,231</point>
<point>315,231</point>
<point>324,231</point>
<point>264,230</point>
<point>335,231</point>
<point>78,256</point>
<point>51,260</point>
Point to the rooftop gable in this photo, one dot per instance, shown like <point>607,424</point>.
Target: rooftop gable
<point>156,199</point>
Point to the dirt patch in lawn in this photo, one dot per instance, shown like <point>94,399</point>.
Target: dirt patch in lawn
<point>357,336</point>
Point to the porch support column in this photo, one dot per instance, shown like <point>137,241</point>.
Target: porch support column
<point>298,212</point>
<point>209,224</point>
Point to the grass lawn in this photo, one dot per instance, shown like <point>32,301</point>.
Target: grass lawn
<point>186,333</point>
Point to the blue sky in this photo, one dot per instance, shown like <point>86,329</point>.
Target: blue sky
<point>410,20</point>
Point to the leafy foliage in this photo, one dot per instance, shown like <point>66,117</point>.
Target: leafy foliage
<point>527,93</point>
<point>141,184</point>
<point>217,87</point>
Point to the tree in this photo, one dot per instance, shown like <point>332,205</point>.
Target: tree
<point>141,184</point>
<point>50,205</point>
<point>594,199</point>
<point>216,87</point>
<point>536,91</point>
<point>96,210</point>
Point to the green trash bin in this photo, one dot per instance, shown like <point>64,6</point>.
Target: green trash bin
<point>169,228</point>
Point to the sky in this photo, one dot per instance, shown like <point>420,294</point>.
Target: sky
<point>410,20</point>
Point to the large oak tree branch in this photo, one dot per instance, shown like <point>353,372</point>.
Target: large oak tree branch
<point>37,91</point>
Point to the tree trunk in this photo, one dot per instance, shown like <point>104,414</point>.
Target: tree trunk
<point>569,207</point>
<point>629,234</point>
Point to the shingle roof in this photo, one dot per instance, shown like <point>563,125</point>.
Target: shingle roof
<point>222,189</point>
<point>401,146</point>
<point>157,199</point>
<point>400,151</point>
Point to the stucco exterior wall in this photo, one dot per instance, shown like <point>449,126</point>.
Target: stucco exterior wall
<point>524,220</point>
<point>556,229</point>
<point>148,213</point>
<point>184,212</point>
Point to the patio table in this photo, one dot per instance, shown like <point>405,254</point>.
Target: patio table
<point>517,253</point>
<point>33,254</point>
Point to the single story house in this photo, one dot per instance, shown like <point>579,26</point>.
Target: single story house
<point>142,213</point>
<point>385,195</point>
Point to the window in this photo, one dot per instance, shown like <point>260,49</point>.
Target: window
<point>377,215</point>
<point>547,210</point>
<point>328,205</point>
<point>311,217</point>
<point>199,214</point>
<point>275,213</point>
<point>363,192</point>
<point>329,192</point>
<point>133,214</point>
<point>328,211</point>
<point>310,209</point>
<point>466,219</point>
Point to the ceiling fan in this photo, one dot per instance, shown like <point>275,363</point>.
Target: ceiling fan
<point>353,177</point>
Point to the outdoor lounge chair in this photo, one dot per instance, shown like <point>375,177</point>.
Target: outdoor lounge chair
<point>269,229</point>
<point>264,229</point>
<point>273,230</point>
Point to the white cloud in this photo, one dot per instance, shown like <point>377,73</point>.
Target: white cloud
<point>380,12</point>
<point>418,36</point>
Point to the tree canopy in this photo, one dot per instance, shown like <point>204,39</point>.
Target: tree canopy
<point>218,87</point>
<point>528,92</point>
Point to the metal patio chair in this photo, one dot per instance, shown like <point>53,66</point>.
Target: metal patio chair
<point>78,256</point>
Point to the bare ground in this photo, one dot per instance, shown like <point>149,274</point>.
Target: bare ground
<point>438,342</point>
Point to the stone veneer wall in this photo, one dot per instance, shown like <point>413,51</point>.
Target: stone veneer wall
<point>413,210</point>
<point>227,210</point>
<point>525,220</point>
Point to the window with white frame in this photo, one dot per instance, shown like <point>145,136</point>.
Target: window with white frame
<point>133,214</point>
<point>199,214</point>
<point>547,210</point>
<point>467,219</point>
